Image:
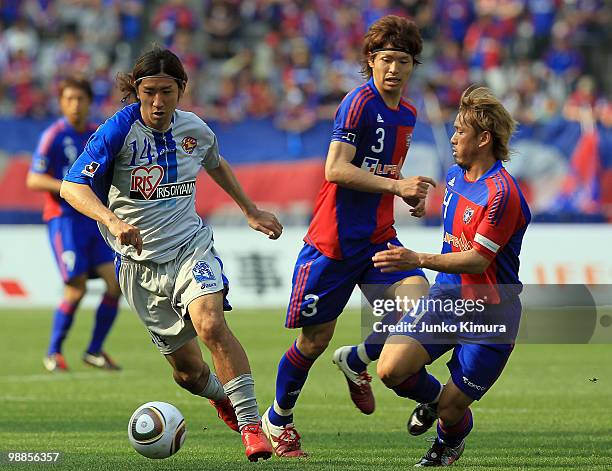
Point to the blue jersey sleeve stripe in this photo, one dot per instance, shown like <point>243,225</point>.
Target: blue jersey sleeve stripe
<point>501,198</point>
<point>357,107</point>
<point>504,179</point>
<point>365,102</point>
<point>354,102</point>
<point>499,194</point>
<point>44,147</point>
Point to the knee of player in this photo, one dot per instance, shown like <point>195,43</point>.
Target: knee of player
<point>113,290</point>
<point>387,374</point>
<point>211,326</point>
<point>313,346</point>
<point>74,294</point>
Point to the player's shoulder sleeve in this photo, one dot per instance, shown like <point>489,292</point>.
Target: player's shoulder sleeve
<point>350,115</point>
<point>207,144</point>
<point>410,107</point>
<point>42,159</point>
<point>103,146</point>
<point>504,215</point>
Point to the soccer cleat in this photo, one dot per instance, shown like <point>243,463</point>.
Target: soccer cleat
<point>100,360</point>
<point>422,418</point>
<point>285,440</point>
<point>255,442</point>
<point>441,455</point>
<point>358,383</point>
<point>55,363</point>
<point>226,412</point>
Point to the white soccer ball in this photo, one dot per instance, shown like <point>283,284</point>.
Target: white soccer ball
<point>157,430</point>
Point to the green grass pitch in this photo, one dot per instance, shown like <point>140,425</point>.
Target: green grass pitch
<point>545,412</point>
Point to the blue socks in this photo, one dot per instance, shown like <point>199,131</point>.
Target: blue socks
<point>62,321</point>
<point>105,316</point>
<point>421,387</point>
<point>292,373</point>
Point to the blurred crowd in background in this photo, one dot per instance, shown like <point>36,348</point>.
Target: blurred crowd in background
<point>293,60</point>
<point>274,71</point>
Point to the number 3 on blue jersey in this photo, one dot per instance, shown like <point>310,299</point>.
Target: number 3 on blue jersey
<point>381,139</point>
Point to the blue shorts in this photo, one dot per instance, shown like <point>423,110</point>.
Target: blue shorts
<point>78,246</point>
<point>478,358</point>
<point>322,286</point>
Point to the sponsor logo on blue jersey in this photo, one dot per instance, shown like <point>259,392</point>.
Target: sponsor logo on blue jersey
<point>460,242</point>
<point>374,166</point>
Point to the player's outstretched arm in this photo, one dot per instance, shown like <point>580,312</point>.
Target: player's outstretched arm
<point>340,170</point>
<point>84,200</point>
<point>262,221</point>
<point>399,258</point>
<point>43,182</point>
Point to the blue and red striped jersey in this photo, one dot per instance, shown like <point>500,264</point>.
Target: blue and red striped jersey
<point>489,215</point>
<point>58,148</point>
<point>345,221</point>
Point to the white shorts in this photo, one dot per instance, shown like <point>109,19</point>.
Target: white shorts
<point>160,293</point>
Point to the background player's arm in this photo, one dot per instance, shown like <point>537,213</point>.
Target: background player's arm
<point>43,182</point>
<point>340,170</point>
<point>400,258</point>
<point>418,204</point>
<point>259,220</point>
<point>82,198</point>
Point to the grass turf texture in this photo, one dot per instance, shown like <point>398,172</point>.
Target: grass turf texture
<point>545,412</point>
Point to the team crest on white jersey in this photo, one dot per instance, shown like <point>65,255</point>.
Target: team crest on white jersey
<point>202,272</point>
<point>146,179</point>
<point>189,144</point>
<point>467,215</point>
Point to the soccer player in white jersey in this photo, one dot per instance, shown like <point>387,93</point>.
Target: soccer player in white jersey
<point>136,177</point>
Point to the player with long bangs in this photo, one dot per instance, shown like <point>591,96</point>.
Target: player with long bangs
<point>79,250</point>
<point>136,177</point>
<point>485,217</point>
<point>353,219</point>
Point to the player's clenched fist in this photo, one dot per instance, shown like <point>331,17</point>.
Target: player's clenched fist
<point>126,234</point>
<point>413,187</point>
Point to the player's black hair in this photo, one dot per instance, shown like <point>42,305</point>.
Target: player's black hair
<point>156,62</point>
<point>391,32</point>
<point>74,81</point>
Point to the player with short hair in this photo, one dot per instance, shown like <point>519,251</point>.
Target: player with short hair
<point>485,217</point>
<point>136,177</point>
<point>353,219</point>
<point>79,250</point>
